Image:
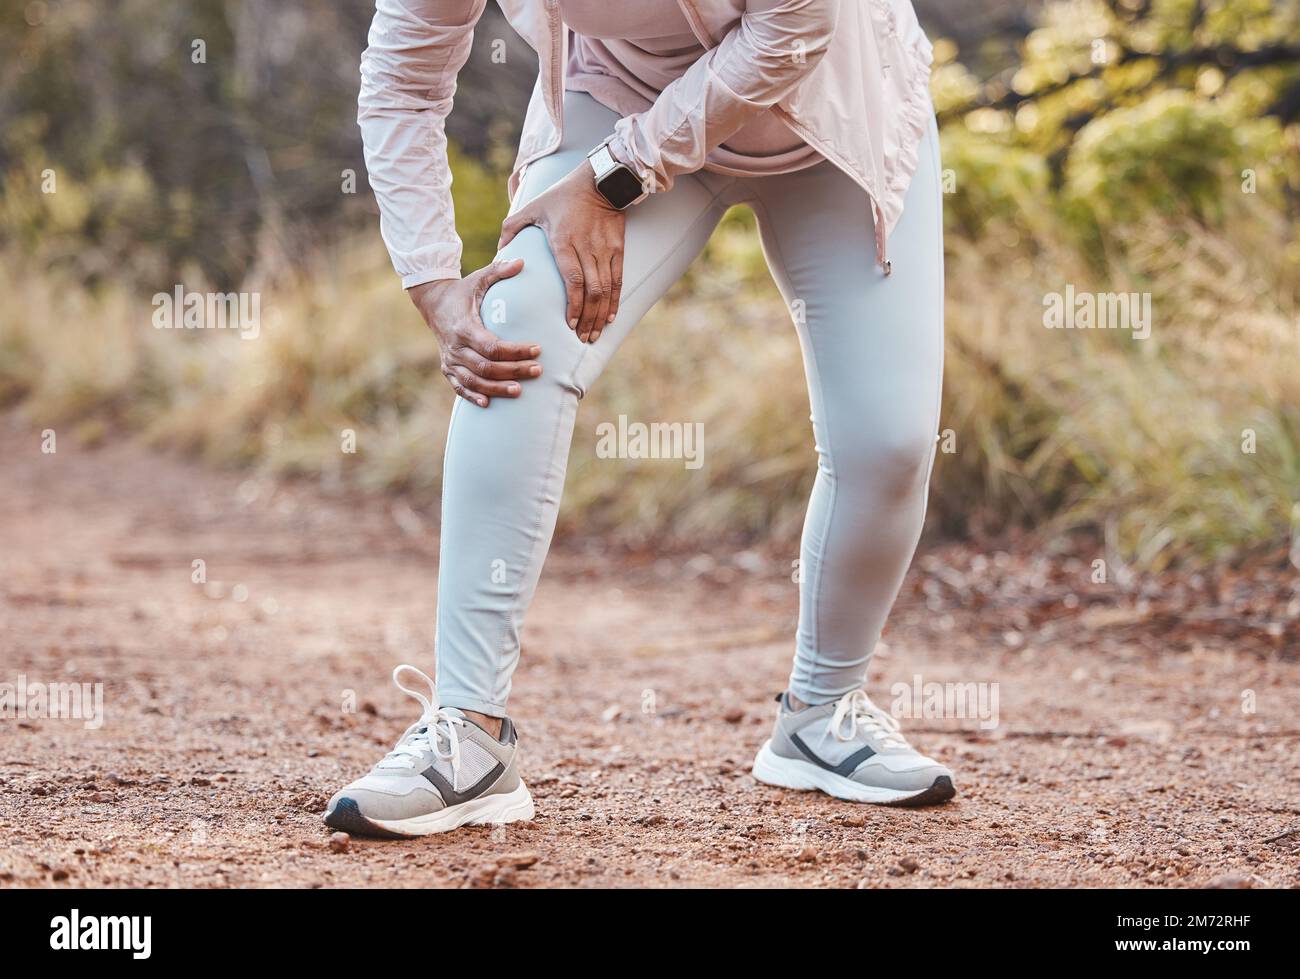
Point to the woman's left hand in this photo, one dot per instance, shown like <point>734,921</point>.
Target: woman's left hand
<point>586,238</point>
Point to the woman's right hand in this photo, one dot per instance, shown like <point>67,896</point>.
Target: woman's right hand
<point>477,363</point>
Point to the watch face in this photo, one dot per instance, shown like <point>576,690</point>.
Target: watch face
<point>620,187</point>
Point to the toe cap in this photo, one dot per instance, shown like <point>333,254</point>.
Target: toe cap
<point>910,778</point>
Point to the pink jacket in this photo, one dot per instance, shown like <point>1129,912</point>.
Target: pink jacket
<point>851,77</point>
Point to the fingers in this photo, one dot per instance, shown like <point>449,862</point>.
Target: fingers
<point>479,390</point>
<point>490,357</point>
<point>615,288</point>
<point>489,275</point>
<point>453,376</point>
<point>475,336</point>
<point>477,363</point>
<point>592,277</point>
<point>566,258</point>
<point>595,300</point>
<point>480,340</point>
<point>481,366</point>
<point>512,225</point>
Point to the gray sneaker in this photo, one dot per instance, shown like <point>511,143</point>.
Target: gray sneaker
<point>445,772</point>
<point>850,749</point>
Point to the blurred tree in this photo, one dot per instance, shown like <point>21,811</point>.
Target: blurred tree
<point>218,135</point>
<point>211,134</point>
<point>1133,105</point>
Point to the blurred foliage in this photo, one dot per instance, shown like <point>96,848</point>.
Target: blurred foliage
<point>213,136</point>
<point>1135,145</point>
<point>993,181</point>
<point>1118,109</point>
<point>1168,152</point>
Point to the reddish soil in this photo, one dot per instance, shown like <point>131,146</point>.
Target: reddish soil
<point>1123,755</point>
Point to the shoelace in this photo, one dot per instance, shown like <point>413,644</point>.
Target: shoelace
<point>435,728</point>
<point>855,710</point>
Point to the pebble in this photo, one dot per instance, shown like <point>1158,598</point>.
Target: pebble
<point>734,715</point>
<point>519,860</point>
<point>339,842</point>
<point>1231,882</point>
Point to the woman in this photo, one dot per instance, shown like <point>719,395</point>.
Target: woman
<point>649,119</point>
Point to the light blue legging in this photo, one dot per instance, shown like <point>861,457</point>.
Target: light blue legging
<point>873,355</point>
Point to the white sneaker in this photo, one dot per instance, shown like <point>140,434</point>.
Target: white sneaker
<point>853,750</point>
<point>445,772</point>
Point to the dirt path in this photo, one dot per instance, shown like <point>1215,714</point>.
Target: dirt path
<point>643,692</point>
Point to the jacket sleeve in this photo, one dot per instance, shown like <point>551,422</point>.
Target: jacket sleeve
<point>761,61</point>
<point>415,50</point>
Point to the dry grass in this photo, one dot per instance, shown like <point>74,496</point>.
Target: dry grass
<point>1055,429</point>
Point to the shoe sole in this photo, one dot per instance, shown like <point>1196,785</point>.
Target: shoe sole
<point>503,807</point>
<point>802,776</point>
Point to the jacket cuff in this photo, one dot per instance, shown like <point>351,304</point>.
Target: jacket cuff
<point>619,151</point>
<point>412,279</point>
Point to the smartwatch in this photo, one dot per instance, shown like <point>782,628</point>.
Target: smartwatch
<point>615,181</point>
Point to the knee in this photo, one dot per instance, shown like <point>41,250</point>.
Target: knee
<point>529,307</point>
<point>530,303</point>
<point>888,467</point>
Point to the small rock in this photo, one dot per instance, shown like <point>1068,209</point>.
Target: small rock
<point>505,877</point>
<point>200,780</point>
<point>518,860</point>
<point>339,842</point>
<point>611,713</point>
<point>1231,882</point>
<point>807,855</point>
<point>734,715</point>
<point>908,865</point>
<point>59,874</point>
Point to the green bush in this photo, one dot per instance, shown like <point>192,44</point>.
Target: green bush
<point>1171,154</point>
